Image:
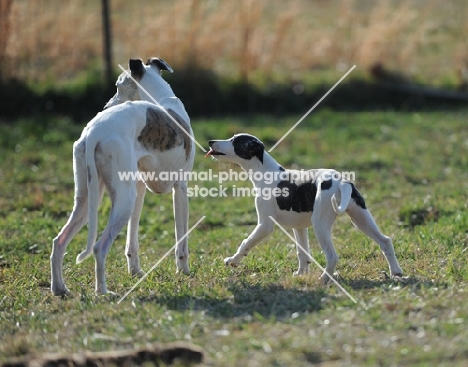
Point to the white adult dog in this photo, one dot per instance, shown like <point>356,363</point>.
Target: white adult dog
<point>135,136</point>
<point>298,199</point>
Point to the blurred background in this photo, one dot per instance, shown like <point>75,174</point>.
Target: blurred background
<point>236,56</point>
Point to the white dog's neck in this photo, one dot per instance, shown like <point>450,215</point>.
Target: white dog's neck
<point>269,165</point>
<point>156,86</point>
<point>162,92</point>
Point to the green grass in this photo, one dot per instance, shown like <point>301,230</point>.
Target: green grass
<point>413,170</point>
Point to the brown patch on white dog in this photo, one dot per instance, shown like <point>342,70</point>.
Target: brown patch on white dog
<point>162,133</point>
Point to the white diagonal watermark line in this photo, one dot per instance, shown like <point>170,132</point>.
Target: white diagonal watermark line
<point>159,105</point>
<point>315,261</point>
<point>160,260</point>
<point>313,107</point>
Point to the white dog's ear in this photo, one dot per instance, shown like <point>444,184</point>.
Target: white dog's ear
<point>137,68</point>
<point>159,63</point>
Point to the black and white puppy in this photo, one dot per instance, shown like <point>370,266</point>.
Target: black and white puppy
<point>298,200</point>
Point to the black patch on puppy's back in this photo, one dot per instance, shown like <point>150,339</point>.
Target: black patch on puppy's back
<point>325,185</point>
<point>357,197</point>
<point>300,198</point>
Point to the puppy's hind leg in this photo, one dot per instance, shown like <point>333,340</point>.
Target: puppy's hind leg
<point>302,247</point>
<point>322,222</point>
<point>131,249</point>
<point>364,221</point>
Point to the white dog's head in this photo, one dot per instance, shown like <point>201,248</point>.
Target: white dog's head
<point>240,149</point>
<point>148,76</point>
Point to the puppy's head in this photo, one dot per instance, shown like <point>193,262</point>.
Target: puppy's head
<point>127,89</point>
<point>240,149</point>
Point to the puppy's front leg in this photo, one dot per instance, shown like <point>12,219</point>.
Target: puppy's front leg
<point>181,213</point>
<point>263,230</point>
<point>302,247</point>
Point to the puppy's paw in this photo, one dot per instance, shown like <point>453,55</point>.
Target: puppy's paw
<point>230,261</point>
<point>325,278</point>
<point>107,294</point>
<point>400,278</point>
<point>110,296</point>
<point>397,277</point>
<point>301,272</point>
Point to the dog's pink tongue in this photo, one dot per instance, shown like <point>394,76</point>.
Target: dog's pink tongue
<point>209,153</point>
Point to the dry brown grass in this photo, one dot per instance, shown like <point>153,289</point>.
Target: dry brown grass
<point>55,40</point>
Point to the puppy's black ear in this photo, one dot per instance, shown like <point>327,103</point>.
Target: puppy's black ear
<point>159,63</point>
<point>137,68</point>
<point>257,148</point>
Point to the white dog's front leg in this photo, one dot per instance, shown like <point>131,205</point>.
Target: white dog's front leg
<point>260,232</point>
<point>181,214</point>
<point>302,247</point>
<point>131,249</point>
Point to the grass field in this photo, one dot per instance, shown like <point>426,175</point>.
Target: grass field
<point>413,170</point>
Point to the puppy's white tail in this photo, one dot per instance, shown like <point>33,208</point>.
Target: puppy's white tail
<point>346,190</point>
<point>93,200</point>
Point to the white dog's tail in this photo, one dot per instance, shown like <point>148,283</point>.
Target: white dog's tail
<point>93,200</point>
<point>346,191</point>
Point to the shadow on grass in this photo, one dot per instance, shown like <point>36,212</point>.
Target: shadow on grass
<point>258,301</point>
<point>359,284</point>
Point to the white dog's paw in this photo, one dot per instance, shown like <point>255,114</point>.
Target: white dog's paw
<point>230,261</point>
<point>60,290</point>
<point>183,266</point>
<point>184,270</point>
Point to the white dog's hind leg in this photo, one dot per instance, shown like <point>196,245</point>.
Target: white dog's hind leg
<point>322,222</point>
<point>131,249</point>
<point>302,247</point>
<point>181,214</point>
<point>120,214</point>
<point>113,156</point>
<point>364,221</point>
<point>76,221</point>
<point>261,231</point>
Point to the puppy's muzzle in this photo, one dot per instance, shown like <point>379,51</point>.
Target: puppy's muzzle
<point>212,150</point>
